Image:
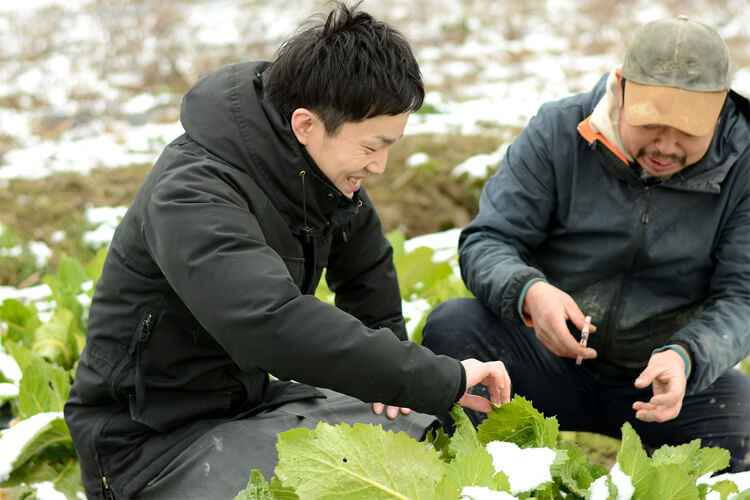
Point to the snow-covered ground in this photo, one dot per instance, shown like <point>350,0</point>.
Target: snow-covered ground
<point>83,82</point>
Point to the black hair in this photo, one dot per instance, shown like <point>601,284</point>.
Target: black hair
<point>346,67</point>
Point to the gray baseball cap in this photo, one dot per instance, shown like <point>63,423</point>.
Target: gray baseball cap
<point>678,72</point>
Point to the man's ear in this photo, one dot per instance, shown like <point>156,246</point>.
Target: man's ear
<point>618,74</point>
<point>303,121</point>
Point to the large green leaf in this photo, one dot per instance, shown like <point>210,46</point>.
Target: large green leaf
<point>518,422</point>
<point>22,321</point>
<point>55,340</point>
<point>94,267</point>
<point>712,460</point>
<point>63,474</point>
<point>667,482</point>
<point>32,436</point>
<point>359,462</point>
<point>66,285</point>
<point>398,242</point>
<point>476,469</point>
<point>43,387</point>
<point>578,472</point>
<point>415,271</point>
<point>465,438</point>
<point>633,460</point>
<point>257,488</point>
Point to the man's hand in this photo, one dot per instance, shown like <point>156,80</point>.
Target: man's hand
<point>666,371</point>
<point>549,309</point>
<point>494,376</point>
<point>391,411</point>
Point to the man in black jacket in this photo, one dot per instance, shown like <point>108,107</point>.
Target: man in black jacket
<point>208,287</point>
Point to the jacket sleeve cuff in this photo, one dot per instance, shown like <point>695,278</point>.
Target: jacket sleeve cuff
<point>525,317</point>
<point>684,354</point>
<point>461,384</point>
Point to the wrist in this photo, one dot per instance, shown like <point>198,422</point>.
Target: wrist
<point>682,351</point>
<point>522,310</point>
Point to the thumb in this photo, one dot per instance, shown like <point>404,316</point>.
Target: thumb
<point>645,378</point>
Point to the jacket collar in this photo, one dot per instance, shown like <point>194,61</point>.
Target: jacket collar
<point>730,139</point>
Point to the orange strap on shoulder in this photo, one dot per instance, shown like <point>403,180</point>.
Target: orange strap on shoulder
<point>584,128</point>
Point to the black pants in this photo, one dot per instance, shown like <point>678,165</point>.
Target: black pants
<point>219,463</point>
<point>580,399</point>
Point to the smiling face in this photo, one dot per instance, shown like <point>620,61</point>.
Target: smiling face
<point>662,150</point>
<point>356,151</point>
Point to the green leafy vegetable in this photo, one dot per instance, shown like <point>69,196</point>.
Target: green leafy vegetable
<point>519,423</point>
<point>362,460</point>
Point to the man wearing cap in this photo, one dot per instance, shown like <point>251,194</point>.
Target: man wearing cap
<point>629,204</point>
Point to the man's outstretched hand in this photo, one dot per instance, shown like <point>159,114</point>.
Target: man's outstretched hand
<point>491,374</point>
<point>666,373</point>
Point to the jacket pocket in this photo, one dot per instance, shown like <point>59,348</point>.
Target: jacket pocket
<point>163,411</point>
<point>129,359</point>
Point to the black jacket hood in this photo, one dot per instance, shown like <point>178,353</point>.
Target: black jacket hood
<point>228,114</point>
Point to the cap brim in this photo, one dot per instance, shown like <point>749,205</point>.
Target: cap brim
<point>694,113</point>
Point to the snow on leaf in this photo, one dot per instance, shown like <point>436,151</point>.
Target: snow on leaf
<point>724,488</point>
<point>476,469</point>
<point>632,458</point>
<point>526,468</point>
<point>43,387</point>
<point>578,472</point>
<point>357,462</point>
<point>28,437</point>
<point>518,422</point>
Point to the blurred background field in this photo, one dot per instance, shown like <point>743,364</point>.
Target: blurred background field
<point>90,93</point>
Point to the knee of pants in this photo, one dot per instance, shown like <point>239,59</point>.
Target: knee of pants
<point>444,326</point>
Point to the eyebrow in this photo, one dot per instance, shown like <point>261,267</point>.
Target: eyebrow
<point>387,140</point>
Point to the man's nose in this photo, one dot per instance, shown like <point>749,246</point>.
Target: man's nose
<point>378,162</point>
<point>667,141</point>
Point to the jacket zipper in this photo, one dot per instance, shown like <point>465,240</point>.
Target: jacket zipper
<point>628,268</point>
<point>142,334</point>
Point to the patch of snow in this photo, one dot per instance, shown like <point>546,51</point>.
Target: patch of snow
<point>622,482</point>
<point>9,368</point>
<point>478,166</point>
<point>13,439</point>
<point>526,468</point>
<point>47,491</point>
<point>417,159</point>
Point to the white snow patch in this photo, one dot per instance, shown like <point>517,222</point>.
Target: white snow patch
<point>13,439</point>
<point>417,159</point>
<point>47,491</point>
<point>478,166</point>
<point>9,368</point>
<point>526,468</point>
<point>625,489</point>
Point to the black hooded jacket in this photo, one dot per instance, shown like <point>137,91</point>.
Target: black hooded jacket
<point>209,285</point>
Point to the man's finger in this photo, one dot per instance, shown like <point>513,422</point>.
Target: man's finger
<point>474,402</point>
<point>392,412</point>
